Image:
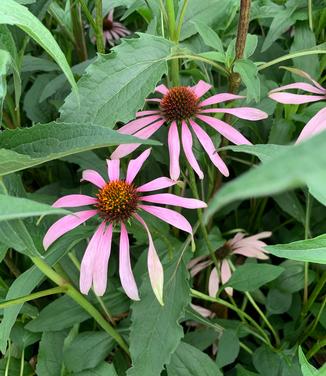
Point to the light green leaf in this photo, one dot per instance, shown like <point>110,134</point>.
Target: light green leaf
<point>151,322</point>
<point>116,85</point>
<point>295,166</point>
<point>210,37</point>
<point>213,55</point>
<point>251,45</point>
<point>189,361</point>
<point>13,13</point>
<point>4,63</point>
<point>16,207</point>
<point>310,250</point>
<point>250,276</point>
<point>249,74</point>
<point>28,147</point>
<point>104,369</point>
<point>306,368</point>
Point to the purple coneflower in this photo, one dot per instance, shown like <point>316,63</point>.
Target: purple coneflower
<point>250,246</point>
<point>113,30</point>
<point>116,202</point>
<point>318,122</point>
<point>181,108</point>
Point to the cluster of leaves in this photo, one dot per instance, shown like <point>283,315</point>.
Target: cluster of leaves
<point>53,128</point>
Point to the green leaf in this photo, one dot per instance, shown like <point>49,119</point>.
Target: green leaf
<point>26,282</point>
<point>251,45</point>
<point>228,348</point>
<point>28,147</point>
<point>13,13</point>
<point>4,63</point>
<point>116,85</point>
<point>306,368</point>
<point>189,361</point>
<point>289,202</point>
<point>151,322</point>
<point>50,355</point>
<point>210,37</point>
<point>213,55</point>
<point>87,350</point>
<point>310,250</point>
<point>15,207</point>
<point>104,369</point>
<point>278,301</point>
<point>295,166</point>
<point>250,277</point>
<point>244,372</point>
<point>249,74</point>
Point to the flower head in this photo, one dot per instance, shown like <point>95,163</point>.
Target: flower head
<point>250,246</point>
<point>318,122</point>
<point>113,30</point>
<point>182,109</point>
<point>116,202</point>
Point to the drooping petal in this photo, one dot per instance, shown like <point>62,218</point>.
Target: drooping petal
<point>289,98</point>
<point>305,75</point>
<point>157,184</point>
<point>169,216</point>
<point>135,125</point>
<point>100,266</point>
<point>251,252</point>
<point>93,177</point>
<point>301,86</point>
<point>162,89</point>
<point>247,113</point>
<point>226,275</point>
<point>135,165</point>
<point>66,224</point>
<point>146,113</point>
<point>187,148</point>
<point>195,261</point>
<point>225,130</point>
<point>145,133</point>
<point>171,199</point>
<point>209,147</point>
<point>174,151</point>
<point>213,283</point>
<point>72,201</point>
<point>260,235</point>
<point>110,15</point>
<point>126,276</point>
<point>155,269</point>
<point>113,169</point>
<point>87,264</point>
<point>219,98</point>
<point>201,88</point>
<point>199,267</point>
<point>314,126</point>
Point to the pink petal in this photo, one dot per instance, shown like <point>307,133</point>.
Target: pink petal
<point>213,283</point>
<point>113,169</point>
<point>157,100</point>
<point>135,165</point>
<point>251,252</point>
<point>155,269</point>
<point>125,149</point>
<point>87,264</point>
<point>315,125</point>
<point>225,129</point>
<point>247,113</point>
<point>156,184</point>
<point>66,224</point>
<point>115,35</point>
<point>226,275</point>
<point>169,216</point>
<point>126,276</point>
<point>187,148</point>
<point>174,151</point>
<point>93,177</point>
<point>146,113</point>
<point>289,98</point>
<point>135,125</point>
<point>162,89</point>
<point>195,261</point>
<point>171,199</point>
<point>304,74</point>
<point>110,15</point>
<point>201,88</point>
<point>301,86</point>
<point>260,235</point>
<point>202,311</point>
<point>199,267</point>
<point>209,147</point>
<point>72,201</point>
<point>219,98</point>
<point>100,265</point>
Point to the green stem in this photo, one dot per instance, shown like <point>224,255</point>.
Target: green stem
<point>310,15</point>
<point>264,338</point>
<point>181,18</point>
<point>313,296</point>
<point>36,295</point>
<point>313,326</point>
<point>81,300</point>
<point>22,361</point>
<point>307,235</point>
<point>8,361</point>
<point>174,65</point>
<point>78,31</point>
<point>88,15</point>
<point>315,348</point>
<point>99,27</point>
<point>246,348</point>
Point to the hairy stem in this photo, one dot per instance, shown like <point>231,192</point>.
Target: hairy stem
<point>99,27</point>
<point>307,235</point>
<point>78,30</point>
<point>174,64</point>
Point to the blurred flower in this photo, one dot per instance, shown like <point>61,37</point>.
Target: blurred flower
<point>116,202</point>
<point>113,30</point>
<point>316,124</point>
<point>181,106</point>
<point>250,246</point>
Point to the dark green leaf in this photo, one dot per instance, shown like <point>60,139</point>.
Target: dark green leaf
<point>278,301</point>
<point>249,74</point>
<point>228,348</point>
<point>210,37</point>
<point>104,369</point>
